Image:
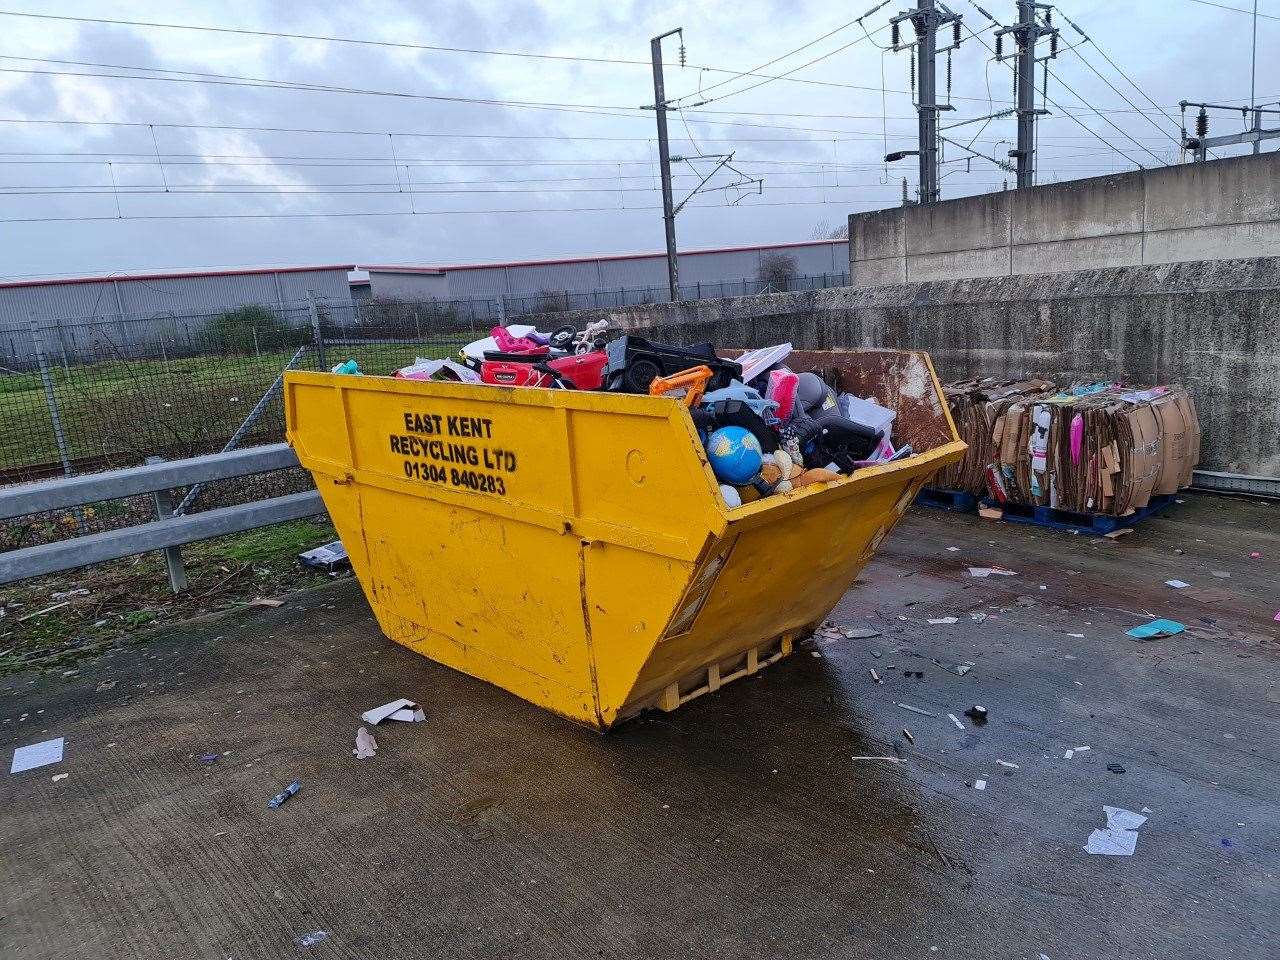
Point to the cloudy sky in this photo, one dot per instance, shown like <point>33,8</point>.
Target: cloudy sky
<point>177,148</point>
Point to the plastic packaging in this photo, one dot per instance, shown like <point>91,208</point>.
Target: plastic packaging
<point>782,391</point>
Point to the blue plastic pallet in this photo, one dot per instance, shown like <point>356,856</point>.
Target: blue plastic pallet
<point>956,500</point>
<point>1070,520</point>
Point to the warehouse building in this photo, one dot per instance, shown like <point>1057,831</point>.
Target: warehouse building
<point>632,276</point>
<point>84,318</point>
<point>165,294</point>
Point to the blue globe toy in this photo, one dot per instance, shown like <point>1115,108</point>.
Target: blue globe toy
<point>735,455</point>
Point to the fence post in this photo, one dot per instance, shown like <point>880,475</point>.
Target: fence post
<point>172,555</point>
<point>50,398</point>
<point>317,334</point>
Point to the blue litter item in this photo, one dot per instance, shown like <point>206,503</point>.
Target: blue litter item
<point>275,802</point>
<point>737,390</point>
<point>735,455</point>
<point>1155,629</point>
<point>349,367</point>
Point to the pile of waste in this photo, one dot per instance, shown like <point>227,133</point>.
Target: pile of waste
<point>1104,447</point>
<point>766,429</point>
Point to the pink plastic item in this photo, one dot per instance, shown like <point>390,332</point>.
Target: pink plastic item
<point>1077,437</point>
<point>509,344</point>
<point>782,389</point>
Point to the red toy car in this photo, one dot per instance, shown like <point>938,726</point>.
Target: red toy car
<point>583,371</point>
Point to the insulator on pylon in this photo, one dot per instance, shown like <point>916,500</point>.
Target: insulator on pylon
<point>955,33</point>
<point>1202,124</point>
<point>1053,45</point>
<point>913,75</point>
<point>682,55</point>
<point>894,34</point>
<point>999,45</point>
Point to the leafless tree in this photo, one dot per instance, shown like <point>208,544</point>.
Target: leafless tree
<point>777,270</point>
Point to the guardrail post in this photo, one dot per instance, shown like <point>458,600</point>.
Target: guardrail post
<point>172,555</point>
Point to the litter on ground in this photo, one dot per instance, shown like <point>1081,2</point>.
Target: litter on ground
<point>37,755</point>
<point>1120,837</point>
<point>907,706</point>
<point>940,621</point>
<point>1176,584</point>
<point>981,573</point>
<point>404,710</point>
<point>281,797</point>
<point>366,746</point>
<point>1156,629</point>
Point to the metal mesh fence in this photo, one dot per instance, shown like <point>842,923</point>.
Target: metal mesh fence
<point>81,395</point>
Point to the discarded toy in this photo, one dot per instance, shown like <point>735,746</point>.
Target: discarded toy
<point>1156,629</point>
<point>278,800</point>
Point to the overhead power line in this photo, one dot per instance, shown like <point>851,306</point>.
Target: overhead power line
<point>1223,6</point>
<point>803,66</point>
<point>427,213</point>
<point>754,71</point>
<point>268,84</point>
<point>1047,99</point>
<point>300,85</point>
<point>1133,83</point>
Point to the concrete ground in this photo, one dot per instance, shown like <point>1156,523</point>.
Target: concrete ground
<point>739,826</point>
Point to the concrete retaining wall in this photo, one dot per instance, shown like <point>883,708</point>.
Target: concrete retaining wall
<point>1221,209</point>
<point>1214,327</point>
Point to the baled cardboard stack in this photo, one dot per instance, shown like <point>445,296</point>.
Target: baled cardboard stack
<point>1097,448</point>
<point>976,407</point>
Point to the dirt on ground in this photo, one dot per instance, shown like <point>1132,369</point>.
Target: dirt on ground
<point>809,812</point>
<point>52,622</point>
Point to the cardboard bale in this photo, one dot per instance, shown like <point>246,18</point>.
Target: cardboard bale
<point>978,408</point>
<point>1094,448</point>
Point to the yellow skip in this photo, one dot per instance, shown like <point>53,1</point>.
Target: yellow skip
<point>573,548</point>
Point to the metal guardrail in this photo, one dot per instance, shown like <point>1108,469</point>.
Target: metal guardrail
<point>1236,483</point>
<point>166,532</point>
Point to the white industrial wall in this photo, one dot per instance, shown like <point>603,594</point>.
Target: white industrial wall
<point>187,295</point>
<point>605,274</point>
